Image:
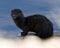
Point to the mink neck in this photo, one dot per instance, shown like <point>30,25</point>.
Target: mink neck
<point>20,20</point>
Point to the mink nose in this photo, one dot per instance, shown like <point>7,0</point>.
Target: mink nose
<point>15,15</point>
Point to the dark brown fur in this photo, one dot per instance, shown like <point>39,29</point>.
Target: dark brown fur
<point>39,24</point>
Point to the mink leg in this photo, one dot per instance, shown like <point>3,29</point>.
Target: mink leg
<point>23,33</point>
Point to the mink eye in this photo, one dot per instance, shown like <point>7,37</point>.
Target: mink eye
<point>15,14</point>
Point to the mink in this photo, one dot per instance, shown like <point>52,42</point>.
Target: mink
<point>37,23</point>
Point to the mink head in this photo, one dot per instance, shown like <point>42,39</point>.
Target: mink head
<point>16,13</point>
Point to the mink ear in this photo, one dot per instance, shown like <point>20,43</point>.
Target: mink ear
<point>16,10</point>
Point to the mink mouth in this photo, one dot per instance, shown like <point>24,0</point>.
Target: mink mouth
<point>15,16</point>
